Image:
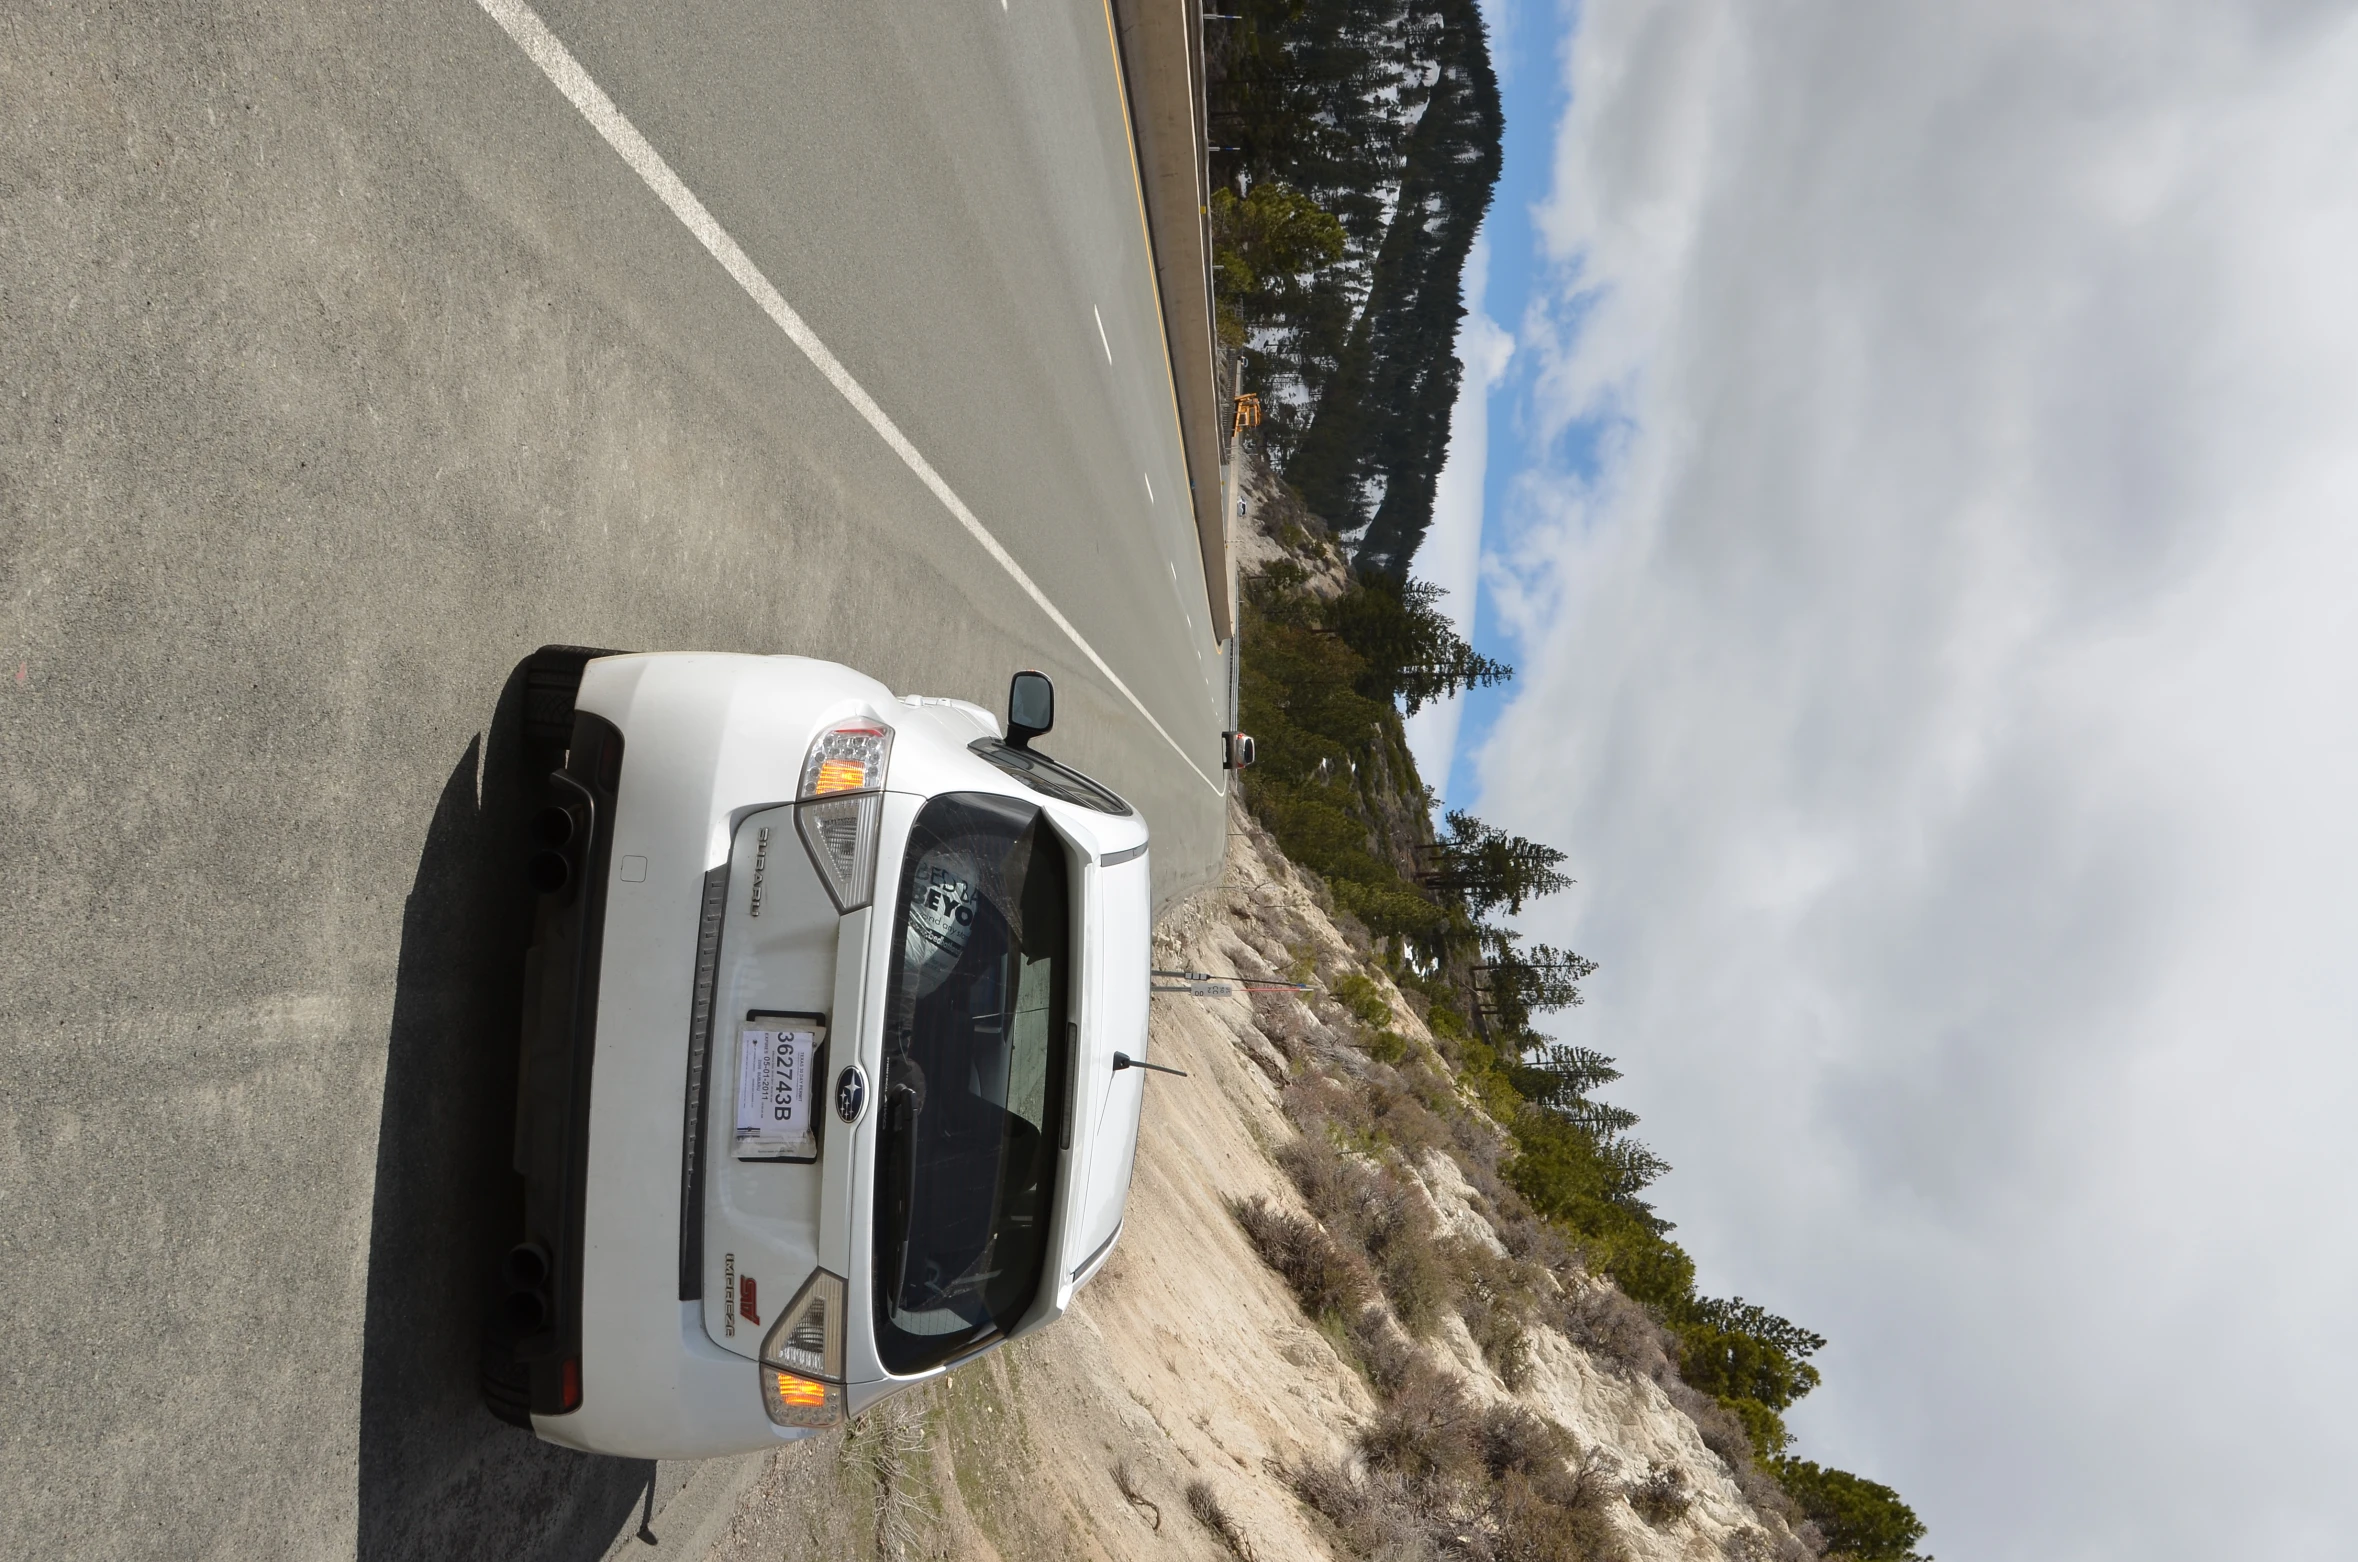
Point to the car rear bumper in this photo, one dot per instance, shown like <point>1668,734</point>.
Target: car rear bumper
<point>607,1106</point>
<point>532,1358</point>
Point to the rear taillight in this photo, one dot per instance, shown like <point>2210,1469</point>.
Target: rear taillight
<point>847,757</point>
<point>808,1337</point>
<point>840,835</point>
<point>842,802</point>
<point>802,1358</point>
<point>793,1401</point>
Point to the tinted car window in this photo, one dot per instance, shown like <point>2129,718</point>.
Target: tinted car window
<point>1044,775</point>
<point>974,1077</point>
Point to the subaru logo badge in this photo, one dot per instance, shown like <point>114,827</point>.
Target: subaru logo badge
<point>851,1093</point>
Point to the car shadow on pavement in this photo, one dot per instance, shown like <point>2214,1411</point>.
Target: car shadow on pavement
<point>439,1477</point>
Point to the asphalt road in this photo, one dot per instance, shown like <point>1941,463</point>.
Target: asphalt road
<point>342,362</point>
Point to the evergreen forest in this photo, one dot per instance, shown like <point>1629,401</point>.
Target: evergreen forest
<point>1356,147</point>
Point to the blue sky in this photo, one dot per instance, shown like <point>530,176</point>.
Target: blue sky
<point>1919,493</point>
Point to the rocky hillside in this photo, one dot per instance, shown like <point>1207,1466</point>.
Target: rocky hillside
<point>1329,1331</point>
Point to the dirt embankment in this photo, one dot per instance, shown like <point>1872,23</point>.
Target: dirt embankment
<point>1189,1408</point>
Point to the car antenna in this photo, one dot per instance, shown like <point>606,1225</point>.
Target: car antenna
<point>1123,1060</point>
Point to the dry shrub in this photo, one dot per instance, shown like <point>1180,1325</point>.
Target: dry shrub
<point>1761,1490</point>
<point>1495,1297</point>
<point>1320,1102</point>
<point>887,1445</point>
<point>1510,1437</point>
<point>1331,1183</point>
<point>1504,1342</point>
<point>1515,1442</point>
<point>1725,1436</point>
<point>1480,1160</point>
<point>1442,1478</point>
<point>1344,1191</point>
<point>1661,1494</point>
<point>1323,1277</point>
<point>1311,1163</point>
<point>1375,1209</point>
<point>1533,1525</point>
<point>1326,1488</point>
<point>1356,937</point>
<point>1268,1059</point>
<point>1480,1145</point>
<point>1528,1237</point>
<point>1604,1322</point>
<point>1373,1518</point>
<point>1758,1545</point>
<point>1519,1227</point>
<point>1415,1279</point>
<point>1722,1433</point>
<point>1204,1503</point>
<point>1398,1114</point>
<point>1245,955</point>
<point>1436,1092</point>
<point>1276,959</point>
<point>1282,1018</point>
<point>1390,1220</point>
<point>1427,1433</point>
<point>1387,1355</point>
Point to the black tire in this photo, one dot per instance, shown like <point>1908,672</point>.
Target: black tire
<point>552,677</point>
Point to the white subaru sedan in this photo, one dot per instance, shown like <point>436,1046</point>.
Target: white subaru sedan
<point>834,1014</point>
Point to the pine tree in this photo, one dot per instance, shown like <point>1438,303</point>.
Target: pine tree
<point>1412,651</point>
<point>1268,247</point>
<point>1486,868</point>
<point>1860,1518</point>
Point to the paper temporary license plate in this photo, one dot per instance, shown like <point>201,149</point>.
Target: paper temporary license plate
<point>775,1121</point>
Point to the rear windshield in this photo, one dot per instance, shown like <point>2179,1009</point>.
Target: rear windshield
<point>974,1077</point>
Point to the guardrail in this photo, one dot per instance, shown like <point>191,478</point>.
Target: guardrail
<point>1160,47</point>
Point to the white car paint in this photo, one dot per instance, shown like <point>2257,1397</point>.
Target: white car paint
<point>712,743</point>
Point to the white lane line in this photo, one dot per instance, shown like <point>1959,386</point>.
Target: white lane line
<point>1149,482</point>
<point>557,63</point>
<point>1101,341</point>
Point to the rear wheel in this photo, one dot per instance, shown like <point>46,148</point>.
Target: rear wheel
<point>552,678</point>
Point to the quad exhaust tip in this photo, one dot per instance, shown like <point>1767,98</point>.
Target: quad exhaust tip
<point>524,1277</point>
<point>548,871</point>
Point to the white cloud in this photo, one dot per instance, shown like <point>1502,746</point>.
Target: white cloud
<point>1946,692</point>
<point>1451,556</point>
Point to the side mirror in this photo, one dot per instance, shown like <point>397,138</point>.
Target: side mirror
<point>1031,708</point>
<point>1236,750</point>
